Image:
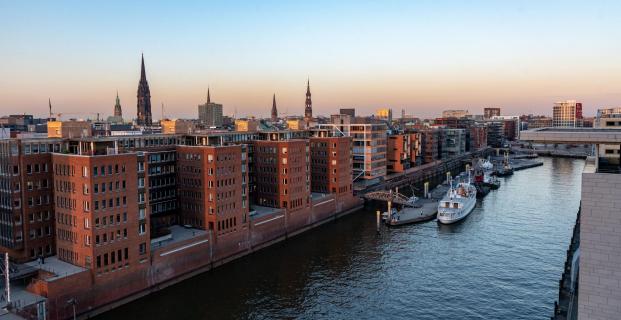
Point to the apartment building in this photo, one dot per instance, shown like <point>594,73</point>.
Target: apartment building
<point>101,220</point>
<point>213,187</point>
<point>369,148</point>
<point>398,153</point>
<point>567,114</point>
<point>27,208</point>
<point>282,171</point>
<point>430,140</point>
<point>331,164</point>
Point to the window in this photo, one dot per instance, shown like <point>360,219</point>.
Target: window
<point>94,175</point>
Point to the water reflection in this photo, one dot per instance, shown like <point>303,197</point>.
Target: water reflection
<point>502,262</point>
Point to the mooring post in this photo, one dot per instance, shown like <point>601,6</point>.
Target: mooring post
<point>426,189</point>
<point>378,217</point>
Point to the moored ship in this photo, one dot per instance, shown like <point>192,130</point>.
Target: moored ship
<point>458,202</point>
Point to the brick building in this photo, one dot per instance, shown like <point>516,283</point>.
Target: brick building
<point>331,164</point>
<point>101,223</point>
<point>27,211</point>
<point>282,170</point>
<point>212,187</point>
<point>398,153</point>
<point>430,140</point>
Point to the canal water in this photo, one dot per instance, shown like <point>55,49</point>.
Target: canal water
<point>503,262</point>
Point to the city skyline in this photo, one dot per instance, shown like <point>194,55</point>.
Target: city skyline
<point>397,55</point>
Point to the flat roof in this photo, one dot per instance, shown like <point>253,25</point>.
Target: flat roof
<point>572,135</point>
<point>56,266</point>
<point>177,234</point>
<point>262,211</point>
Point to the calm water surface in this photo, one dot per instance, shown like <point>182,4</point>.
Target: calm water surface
<point>503,262</point>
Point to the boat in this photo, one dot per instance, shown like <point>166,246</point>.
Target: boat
<point>506,170</point>
<point>458,202</point>
<point>484,180</point>
<point>418,210</point>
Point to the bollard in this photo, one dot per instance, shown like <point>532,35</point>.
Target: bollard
<point>379,219</point>
<point>427,189</point>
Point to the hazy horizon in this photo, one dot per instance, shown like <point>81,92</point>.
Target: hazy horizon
<point>423,57</point>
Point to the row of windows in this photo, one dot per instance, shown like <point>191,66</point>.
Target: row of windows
<point>37,201</point>
<point>101,188</point>
<point>113,258</point>
<point>110,221</point>
<point>227,225</point>
<point>101,171</point>
<point>36,168</point>
<point>110,203</point>
<point>31,185</point>
<point>39,232</point>
<point>67,235</point>
<point>63,170</point>
<point>68,255</point>
<point>104,238</point>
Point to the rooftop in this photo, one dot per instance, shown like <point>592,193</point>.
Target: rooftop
<point>56,266</point>
<point>572,135</point>
<point>260,211</point>
<point>177,234</point>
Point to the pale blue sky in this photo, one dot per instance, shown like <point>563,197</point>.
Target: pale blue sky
<point>424,56</point>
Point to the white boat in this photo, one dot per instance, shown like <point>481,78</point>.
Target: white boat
<point>458,202</point>
<point>487,165</point>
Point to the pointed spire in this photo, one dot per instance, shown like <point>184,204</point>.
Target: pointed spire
<point>274,110</point>
<point>208,96</point>
<point>118,112</point>
<point>308,109</point>
<point>143,74</point>
<point>49,102</point>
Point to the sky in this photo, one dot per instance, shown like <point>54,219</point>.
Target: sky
<point>421,56</point>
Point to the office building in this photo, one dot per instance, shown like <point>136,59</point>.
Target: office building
<point>210,113</point>
<point>567,114</point>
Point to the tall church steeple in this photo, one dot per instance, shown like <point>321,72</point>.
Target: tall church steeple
<point>118,112</point>
<point>308,109</point>
<point>143,106</point>
<point>274,110</point>
<point>208,96</point>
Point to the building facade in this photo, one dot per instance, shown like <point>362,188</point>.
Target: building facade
<point>331,164</point>
<point>398,153</point>
<point>609,118</point>
<point>209,113</point>
<point>567,114</point>
<point>488,113</point>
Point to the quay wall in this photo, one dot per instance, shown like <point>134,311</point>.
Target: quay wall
<point>176,262</point>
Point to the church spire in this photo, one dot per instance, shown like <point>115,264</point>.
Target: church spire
<point>118,112</point>
<point>143,73</point>
<point>49,102</point>
<point>143,107</point>
<point>308,109</point>
<point>274,110</point>
<point>208,96</point>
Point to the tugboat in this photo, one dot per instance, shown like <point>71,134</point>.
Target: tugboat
<point>458,202</point>
<point>506,170</point>
<point>483,179</point>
